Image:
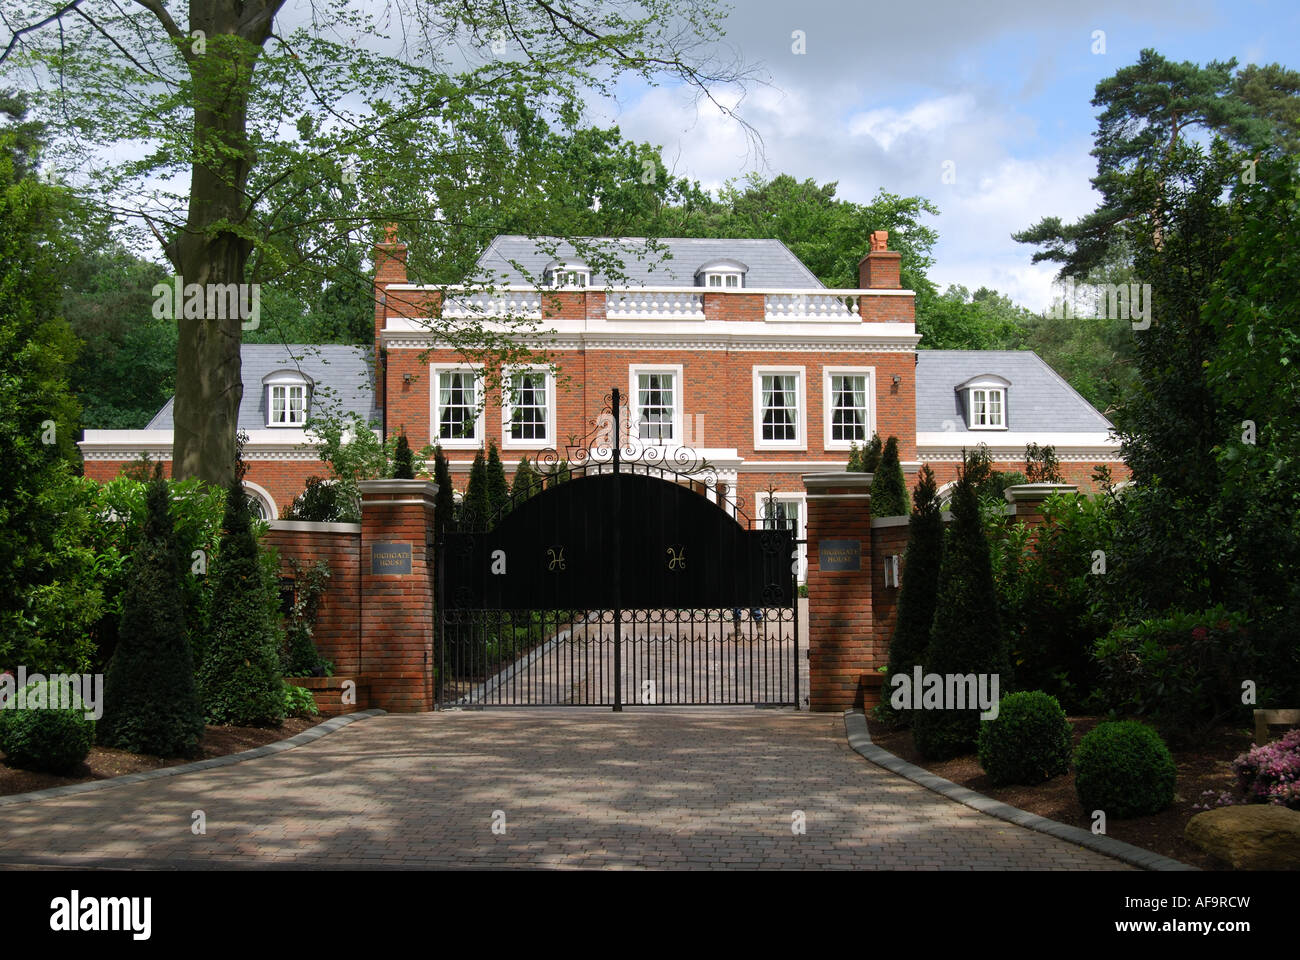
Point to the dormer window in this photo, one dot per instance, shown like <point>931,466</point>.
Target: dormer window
<point>567,274</point>
<point>288,398</point>
<point>986,402</point>
<point>722,274</point>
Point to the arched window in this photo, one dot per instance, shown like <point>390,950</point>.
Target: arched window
<point>985,401</point>
<point>567,273</point>
<point>723,274</point>
<point>260,501</point>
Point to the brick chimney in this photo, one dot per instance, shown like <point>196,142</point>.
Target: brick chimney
<point>390,267</point>
<point>878,270</point>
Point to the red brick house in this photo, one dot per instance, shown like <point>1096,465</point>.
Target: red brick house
<point>730,347</point>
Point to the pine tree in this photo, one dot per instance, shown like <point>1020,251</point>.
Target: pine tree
<point>239,679</point>
<point>855,458</point>
<point>498,491</point>
<point>966,636</point>
<point>403,462</point>
<point>151,704</point>
<point>916,596</point>
<point>476,507</point>
<point>444,501</point>
<point>888,488</point>
<point>524,484</point>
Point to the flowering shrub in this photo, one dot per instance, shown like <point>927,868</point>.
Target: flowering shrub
<point>1267,774</point>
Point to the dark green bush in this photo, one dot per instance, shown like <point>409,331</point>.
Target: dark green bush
<point>46,738</point>
<point>322,501</point>
<point>1028,742</point>
<point>1183,671</point>
<point>966,636</point>
<point>151,703</point>
<point>1123,768</point>
<point>239,679</point>
<point>888,488</point>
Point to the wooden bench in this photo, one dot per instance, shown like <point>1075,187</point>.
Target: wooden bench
<point>1263,718</point>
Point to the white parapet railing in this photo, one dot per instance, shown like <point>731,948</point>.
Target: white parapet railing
<point>832,305</point>
<point>504,303</point>
<point>654,304</point>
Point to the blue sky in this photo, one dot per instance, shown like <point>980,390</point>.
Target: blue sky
<point>886,94</point>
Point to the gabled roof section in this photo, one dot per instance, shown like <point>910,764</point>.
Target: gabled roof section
<point>1038,398</point>
<point>770,262</point>
<point>342,375</point>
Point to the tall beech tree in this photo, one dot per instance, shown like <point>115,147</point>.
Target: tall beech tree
<point>263,144</point>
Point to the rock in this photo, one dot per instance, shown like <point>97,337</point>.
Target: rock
<point>1260,836</point>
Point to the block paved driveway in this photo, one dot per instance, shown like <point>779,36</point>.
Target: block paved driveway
<point>577,788</point>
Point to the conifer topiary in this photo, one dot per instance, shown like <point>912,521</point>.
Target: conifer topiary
<point>239,680</point>
<point>920,586</point>
<point>525,482</point>
<point>151,703</point>
<point>966,636</point>
<point>474,509</point>
<point>444,501</point>
<point>869,458</point>
<point>888,488</point>
<point>498,491</point>
<point>403,461</point>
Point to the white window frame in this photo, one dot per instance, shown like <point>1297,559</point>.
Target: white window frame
<point>507,411</point>
<point>801,532</point>
<point>634,398</point>
<point>263,496</point>
<point>988,391</point>
<point>569,276</point>
<point>435,420</point>
<point>288,381</point>
<point>828,407</point>
<point>800,442</point>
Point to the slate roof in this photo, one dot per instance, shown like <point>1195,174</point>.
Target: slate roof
<point>1039,399</point>
<point>344,370</point>
<point>770,262</point>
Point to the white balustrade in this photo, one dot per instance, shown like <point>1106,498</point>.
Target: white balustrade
<point>654,305</point>
<point>810,306</point>
<point>507,303</point>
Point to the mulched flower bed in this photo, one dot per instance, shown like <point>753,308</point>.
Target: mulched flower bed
<point>103,763</point>
<point>1207,767</point>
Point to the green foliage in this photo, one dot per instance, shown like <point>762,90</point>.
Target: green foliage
<point>1028,742</point>
<point>888,488</point>
<point>1183,670</point>
<point>150,701</point>
<point>48,598</point>
<point>1052,602</point>
<point>300,658</point>
<point>41,737</point>
<point>865,459</point>
<point>444,503</point>
<point>1124,769</point>
<point>920,584</point>
<point>354,452</point>
<point>299,702</point>
<point>403,463</point>
<point>239,678</point>
<point>967,634</point>
<point>476,508</point>
<point>322,501</point>
<point>855,459</point>
<point>525,483</point>
<point>958,320</point>
<point>1041,464</point>
<point>498,492</point>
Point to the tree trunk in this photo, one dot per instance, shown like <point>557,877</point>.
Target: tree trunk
<point>208,379</point>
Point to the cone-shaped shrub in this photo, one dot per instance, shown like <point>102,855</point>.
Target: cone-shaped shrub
<point>151,704</point>
<point>524,484</point>
<point>888,488</point>
<point>239,680</point>
<point>444,501</point>
<point>869,458</point>
<point>916,596</point>
<point>966,636</point>
<point>498,491</point>
<point>403,462</point>
<point>475,509</point>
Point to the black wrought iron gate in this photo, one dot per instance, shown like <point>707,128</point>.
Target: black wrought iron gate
<point>626,574</point>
